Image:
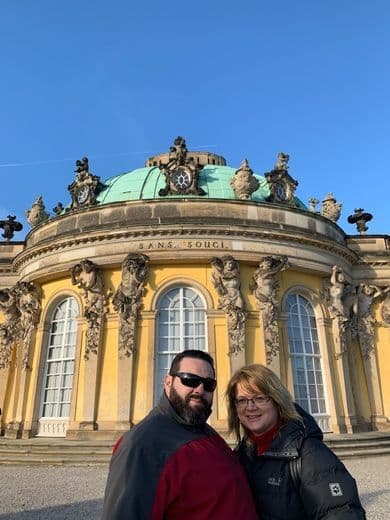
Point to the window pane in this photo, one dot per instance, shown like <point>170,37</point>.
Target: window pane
<point>183,327</point>
<point>59,366</point>
<point>305,355</point>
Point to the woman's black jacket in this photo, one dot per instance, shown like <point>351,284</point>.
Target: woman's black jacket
<point>325,490</point>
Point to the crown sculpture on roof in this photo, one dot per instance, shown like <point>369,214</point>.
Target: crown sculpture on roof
<point>84,188</point>
<point>281,185</point>
<point>181,172</point>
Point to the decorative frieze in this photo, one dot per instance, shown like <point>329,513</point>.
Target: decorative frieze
<point>226,280</point>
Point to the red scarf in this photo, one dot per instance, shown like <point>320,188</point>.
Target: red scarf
<point>264,440</point>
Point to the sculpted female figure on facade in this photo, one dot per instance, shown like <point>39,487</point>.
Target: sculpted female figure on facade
<point>127,299</point>
<point>226,280</point>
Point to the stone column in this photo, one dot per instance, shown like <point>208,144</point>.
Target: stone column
<point>342,365</point>
<point>378,420</point>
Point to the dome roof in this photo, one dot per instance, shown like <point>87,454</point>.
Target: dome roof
<point>145,183</point>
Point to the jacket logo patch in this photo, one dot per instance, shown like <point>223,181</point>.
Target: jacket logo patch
<point>335,489</point>
<point>272,481</point>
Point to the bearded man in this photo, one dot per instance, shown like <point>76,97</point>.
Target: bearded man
<point>173,465</point>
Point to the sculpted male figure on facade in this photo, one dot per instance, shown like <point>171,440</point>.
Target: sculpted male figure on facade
<point>226,280</point>
<point>363,309</point>
<point>88,277</point>
<point>29,303</point>
<point>265,288</point>
<point>8,328</point>
<point>127,299</point>
<point>342,294</point>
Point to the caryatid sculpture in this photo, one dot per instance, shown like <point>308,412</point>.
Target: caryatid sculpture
<point>265,288</point>
<point>28,298</point>
<point>367,295</point>
<point>226,280</point>
<point>9,326</point>
<point>89,277</point>
<point>127,300</point>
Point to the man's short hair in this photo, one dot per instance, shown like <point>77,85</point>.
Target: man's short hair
<point>191,353</point>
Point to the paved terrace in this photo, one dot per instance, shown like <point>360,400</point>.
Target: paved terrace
<point>65,492</point>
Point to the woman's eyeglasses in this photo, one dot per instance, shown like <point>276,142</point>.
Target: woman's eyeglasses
<point>257,400</point>
<point>193,381</point>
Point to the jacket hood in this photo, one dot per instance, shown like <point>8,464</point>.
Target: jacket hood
<point>311,427</point>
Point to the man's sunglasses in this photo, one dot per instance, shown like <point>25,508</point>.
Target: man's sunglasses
<point>193,381</point>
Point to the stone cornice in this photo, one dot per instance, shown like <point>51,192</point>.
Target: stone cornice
<point>110,227</point>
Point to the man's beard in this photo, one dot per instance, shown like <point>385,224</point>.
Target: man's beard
<point>192,415</point>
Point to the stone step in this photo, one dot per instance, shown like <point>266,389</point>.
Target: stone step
<point>32,460</point>
<point>62,451</point>
<point>372,452</point>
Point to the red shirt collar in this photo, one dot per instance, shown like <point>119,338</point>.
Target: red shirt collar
<point>264,440</point>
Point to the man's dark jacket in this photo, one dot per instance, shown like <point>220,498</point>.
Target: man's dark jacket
<point>165,468</point>
<point>325,491</point>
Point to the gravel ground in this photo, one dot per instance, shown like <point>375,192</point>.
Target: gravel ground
<point>75,492</point>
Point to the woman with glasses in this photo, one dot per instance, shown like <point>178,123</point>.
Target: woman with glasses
<point>293,474</point>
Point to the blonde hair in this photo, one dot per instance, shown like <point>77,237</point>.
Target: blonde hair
<point>258,379</point>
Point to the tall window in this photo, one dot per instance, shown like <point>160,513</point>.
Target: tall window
<point>305,355</point>
<point>59,366</point>
<point>181,325</point>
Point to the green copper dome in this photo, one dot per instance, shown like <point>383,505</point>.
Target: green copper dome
<point>145,183</point>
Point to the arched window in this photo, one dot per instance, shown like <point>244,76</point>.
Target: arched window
<point>59,370</point>
<point>181,325</point>
<point>306,363</point>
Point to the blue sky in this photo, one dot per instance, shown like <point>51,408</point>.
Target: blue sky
<point>117,81</point>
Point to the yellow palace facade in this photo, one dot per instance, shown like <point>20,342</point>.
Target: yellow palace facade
<point>188,252</point>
